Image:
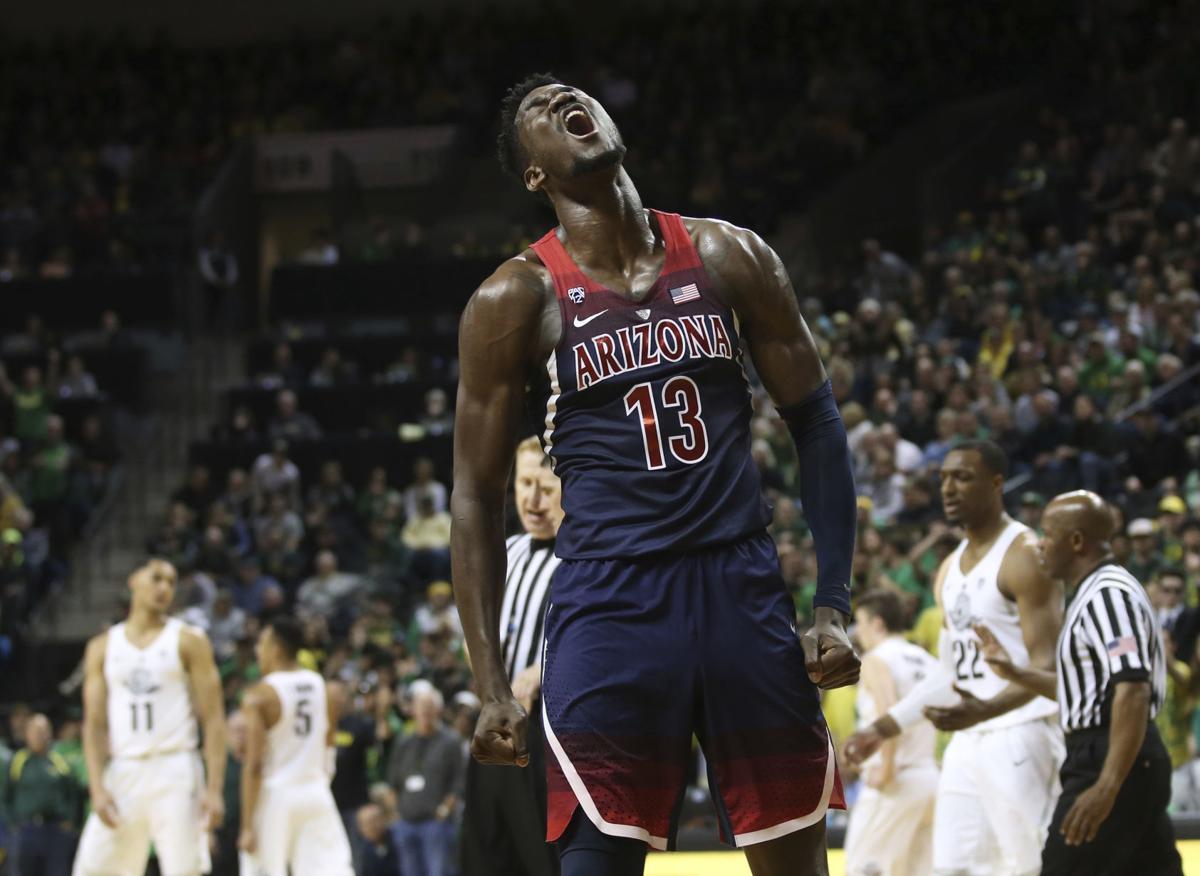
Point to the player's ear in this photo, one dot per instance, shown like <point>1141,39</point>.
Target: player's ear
<point>534,178</point>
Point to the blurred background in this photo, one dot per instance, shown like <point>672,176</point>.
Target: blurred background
<point>235,240</point>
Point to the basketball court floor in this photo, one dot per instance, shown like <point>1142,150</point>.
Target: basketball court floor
<point>734,864</point>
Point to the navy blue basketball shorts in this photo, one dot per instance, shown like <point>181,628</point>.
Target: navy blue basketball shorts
<point>643,655</point>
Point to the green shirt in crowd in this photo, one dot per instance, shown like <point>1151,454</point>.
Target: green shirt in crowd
<point>39,787</point>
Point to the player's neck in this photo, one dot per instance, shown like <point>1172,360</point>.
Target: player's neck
<point>143,619</point>
<point>605,225</point>
<point>987,531</point>
<point>1085,565</point>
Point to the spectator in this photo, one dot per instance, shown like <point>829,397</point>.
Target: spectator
<point>77,382</point>
<point>321,251</point>
<point>198,493</point>
<point>241,427</point>
<point>251,592</point>
<point>427,537</point>
<point>885,487</point>
<point>437,616</point>
<point>226,626</point>
<point>290,423</point>
<point>1144,562</point>
<point>426,771</point>
<point>1155,451</point>
<point>274,473</point>
<point>31,406</point>
<point>374,500</point>
<point>332,370</point>
<point>328,590</point>
<point>437,418</point>
<point>376,854</point>
<point>41,801</point>
<point>332,490</point>
<point>424,484</point>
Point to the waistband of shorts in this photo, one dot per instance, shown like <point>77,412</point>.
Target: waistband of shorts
<point>155,755</point>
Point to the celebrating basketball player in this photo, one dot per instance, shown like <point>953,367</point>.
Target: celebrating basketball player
<point>999,775</point>
<point>147,681</point>
<point>289,819</point>
<point>669,617</point>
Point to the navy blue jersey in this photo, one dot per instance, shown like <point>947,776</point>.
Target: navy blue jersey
<point>648,419</point>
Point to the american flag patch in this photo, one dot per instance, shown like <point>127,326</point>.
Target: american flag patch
<point>684,294</point>
<point>1122,646</point>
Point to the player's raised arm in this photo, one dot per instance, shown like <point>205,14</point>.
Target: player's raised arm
<point>786,359</point>
<point>197,655</point>
<point>95,729</point>
<point>497,340</point>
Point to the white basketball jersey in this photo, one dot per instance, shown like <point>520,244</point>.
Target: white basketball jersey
<point>295,752</point>
<point>908,664</point>
<point>149,705</point>
<point>974,597</point>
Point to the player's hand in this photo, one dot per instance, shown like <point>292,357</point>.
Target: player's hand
<point>501,733</point>
<point>829,657</point>
<point>1087,813</point>
<point>527,685</point>
<point>213,809</point>
<point>104,806</point>
<point>247,841</point>
<point>967,713</point>
<point>995,654</point>
<point>862,745</point>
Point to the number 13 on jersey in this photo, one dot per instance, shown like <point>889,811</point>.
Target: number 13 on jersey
<point>681,395</point>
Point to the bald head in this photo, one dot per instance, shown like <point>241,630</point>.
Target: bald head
<point>1086,512</point>
<point>1076,529</point>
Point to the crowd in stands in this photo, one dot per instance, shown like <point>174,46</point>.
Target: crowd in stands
<point>747,106</point>
<point>57,455</point>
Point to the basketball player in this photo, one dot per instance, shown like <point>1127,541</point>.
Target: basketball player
<point>999,774</point>
<point>888,833</point>
<point>504,816</point>
<point>146,682</point>
<point>289,819</point>
<point>668,615</point>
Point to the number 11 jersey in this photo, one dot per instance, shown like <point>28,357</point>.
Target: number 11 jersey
<point>648,419</point>
<point>296,743</point>
<point>149,708</point>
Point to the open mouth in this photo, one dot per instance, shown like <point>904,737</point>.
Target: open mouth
<point>578,123</point>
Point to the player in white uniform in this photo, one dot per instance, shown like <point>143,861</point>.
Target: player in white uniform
<point>147,680</point>
<point>999,777</point>
<point>289,818</point>
<point>890,824</point>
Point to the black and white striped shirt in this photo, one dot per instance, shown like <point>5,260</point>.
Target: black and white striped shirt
<point>1110,634</point>
<point>531,565</point>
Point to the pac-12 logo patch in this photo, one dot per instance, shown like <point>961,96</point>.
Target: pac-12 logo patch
<point>575,293</point>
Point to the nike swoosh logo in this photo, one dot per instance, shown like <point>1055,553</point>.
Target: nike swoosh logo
<point>580,323</point>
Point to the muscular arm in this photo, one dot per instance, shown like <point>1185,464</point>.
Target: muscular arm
<point>198,662</point>
<point>95,720</point>
<point>757,287</point>
<point>497,335</point>
<point>1040,607</point>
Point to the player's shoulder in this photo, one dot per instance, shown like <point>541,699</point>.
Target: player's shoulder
<point>718,237</point>
<point>522,279</point>
<point>97,646</point>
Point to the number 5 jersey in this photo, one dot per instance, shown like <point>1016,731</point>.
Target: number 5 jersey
<point>648,419</point>
<point>149,707</point>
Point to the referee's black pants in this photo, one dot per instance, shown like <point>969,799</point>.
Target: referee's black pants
<point>504,815</point>
<point>1137,837</point>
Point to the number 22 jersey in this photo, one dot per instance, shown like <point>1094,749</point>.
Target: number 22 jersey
<point>648,418</point>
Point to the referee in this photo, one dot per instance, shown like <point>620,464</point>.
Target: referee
<point>504,820</point>
<point>1110,683</point>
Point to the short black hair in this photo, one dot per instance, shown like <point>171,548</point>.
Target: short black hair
<point>1172,572</point>
<point>994,459</point>
<point>885,605</point>
<point>508,142</point>
<point>289,632</point>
